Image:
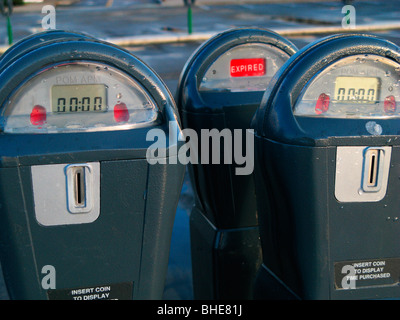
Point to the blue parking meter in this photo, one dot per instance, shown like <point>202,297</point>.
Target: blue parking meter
<point>220,88</point>
<point>86,209</point>
<point>327,173</point>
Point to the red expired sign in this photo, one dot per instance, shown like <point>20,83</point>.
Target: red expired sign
<point>248,67</point>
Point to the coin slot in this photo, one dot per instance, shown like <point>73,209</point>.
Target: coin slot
<point>373,169</point>
<point>79,187</point>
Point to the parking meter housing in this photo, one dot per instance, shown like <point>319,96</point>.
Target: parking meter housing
<point>325,235</point>
<point>35,41</point>
<point>119,247</point>
<point>211,95</point>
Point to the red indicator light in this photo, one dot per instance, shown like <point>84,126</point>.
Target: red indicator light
<point>121,113</point>
<point>322,104</point>
<point>248,67</point>
<point>38,115</point>
<point>389,105</point>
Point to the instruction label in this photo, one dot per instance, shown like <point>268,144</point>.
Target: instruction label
<point>116,291</point>
<point>366,273</point>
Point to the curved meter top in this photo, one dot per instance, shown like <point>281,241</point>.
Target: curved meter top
<point>358,86</point>
<point>78,97</point>
<point>243,68</point>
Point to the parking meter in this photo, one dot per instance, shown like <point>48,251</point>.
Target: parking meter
<point>327,172</point>
<point>220,88</point>
<point>86,210</point>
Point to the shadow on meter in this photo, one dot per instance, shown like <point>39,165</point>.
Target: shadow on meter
<point>179,280</point>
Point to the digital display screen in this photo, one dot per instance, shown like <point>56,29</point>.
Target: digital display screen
<point>254,67</point>
<point>78,98</point>
<point>356,89</point>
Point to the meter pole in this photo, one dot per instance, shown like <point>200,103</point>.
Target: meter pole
<point>188,4</point>
<point>6,12</point>
<point>189,18</point>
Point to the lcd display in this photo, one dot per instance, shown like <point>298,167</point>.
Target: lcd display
<point>248,67</point>
<point>356,89</point>
<point>78,98</point>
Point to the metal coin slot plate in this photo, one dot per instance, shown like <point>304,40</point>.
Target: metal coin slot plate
<point>66,194</point>
<point>362,173</point>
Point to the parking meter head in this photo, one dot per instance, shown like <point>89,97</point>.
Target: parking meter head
<point>337,77</point>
